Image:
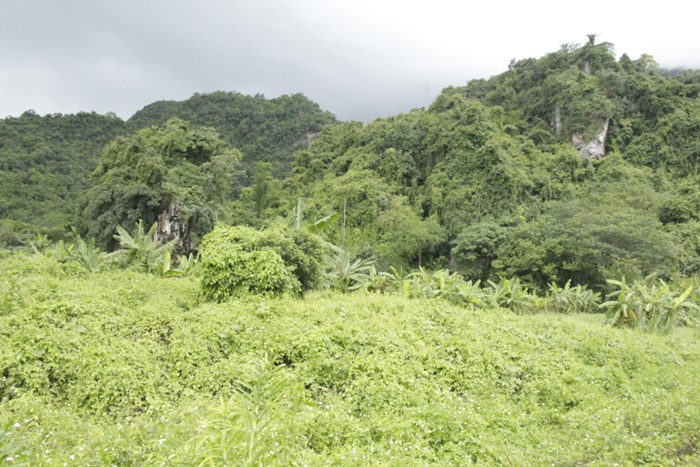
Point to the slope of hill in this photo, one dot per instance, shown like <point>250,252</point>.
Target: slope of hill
<point>46,162</point>
<point>575,166</point>
<point>264,130</point>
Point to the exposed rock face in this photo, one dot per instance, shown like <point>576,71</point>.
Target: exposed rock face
<point>556,120</point>
<point>172,227</point>
<point>310,136</point>
<point>595,148</point>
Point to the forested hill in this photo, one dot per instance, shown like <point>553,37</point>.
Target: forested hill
<point>575,166</point>
<point>578,165</point>
<point>46,161</point>
<point>264,130</point>
<point>651,115</point>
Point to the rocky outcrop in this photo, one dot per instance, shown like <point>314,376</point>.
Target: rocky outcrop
<point>556,120</point>
<point>593,148</point>
<point>171,226</point>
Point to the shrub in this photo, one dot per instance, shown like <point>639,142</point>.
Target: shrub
<point>234,264</point>
<point>301,251</point>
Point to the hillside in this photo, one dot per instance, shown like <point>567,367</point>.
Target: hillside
<point>574,166</point>
<point>264,130</point>
<point>578,166</point>
<point>46,161</point>
<point>507,277</point>
<point>124,368</point>
<point>45,164</point>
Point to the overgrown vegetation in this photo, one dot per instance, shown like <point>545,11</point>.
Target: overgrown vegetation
<point>46,161</point>
<point>127,368</point>
<point>452,286</point>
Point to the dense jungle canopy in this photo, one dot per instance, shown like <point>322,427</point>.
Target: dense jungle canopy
<point>574,166</point>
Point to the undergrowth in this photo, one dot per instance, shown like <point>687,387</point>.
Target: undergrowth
<point>127,368</point>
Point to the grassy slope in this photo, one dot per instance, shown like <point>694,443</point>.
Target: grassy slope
<point>119,368</point>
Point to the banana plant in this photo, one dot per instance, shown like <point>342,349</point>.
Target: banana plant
<point>347,275</point>
<point>89,256</point>
<point>141,251</point>
<point>623,310</point>
<point>648,304</point>
<point>510,293</point>
<point>569,299</point>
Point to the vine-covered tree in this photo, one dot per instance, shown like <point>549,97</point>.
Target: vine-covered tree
<point>175,174</point>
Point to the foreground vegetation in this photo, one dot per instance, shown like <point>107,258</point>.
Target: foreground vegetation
<point>126,368</point>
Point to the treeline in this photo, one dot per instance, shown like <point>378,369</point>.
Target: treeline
<point>46,162</point>
<point>577,166</point>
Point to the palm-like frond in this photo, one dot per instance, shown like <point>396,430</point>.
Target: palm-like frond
<point>142,251</point>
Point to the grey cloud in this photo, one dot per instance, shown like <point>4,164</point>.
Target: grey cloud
<point>359,60</point>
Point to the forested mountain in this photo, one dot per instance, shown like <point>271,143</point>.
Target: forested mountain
<point>45,164</point>
<point>575,166</point>
<point>46,161</point>
<point>264,130</point>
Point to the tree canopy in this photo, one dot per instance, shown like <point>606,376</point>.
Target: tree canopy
<point>498,177</point>
<point>177,175</point>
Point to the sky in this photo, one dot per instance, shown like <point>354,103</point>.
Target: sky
<point>359,59</point>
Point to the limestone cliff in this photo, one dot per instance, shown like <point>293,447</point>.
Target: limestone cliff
<point>595,147</point>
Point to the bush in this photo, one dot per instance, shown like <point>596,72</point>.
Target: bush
<point>233,264</point>
<point>301,251</point>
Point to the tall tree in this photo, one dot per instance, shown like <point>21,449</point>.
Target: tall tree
<point>175,174</point>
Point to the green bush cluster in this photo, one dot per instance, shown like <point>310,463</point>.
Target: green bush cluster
<point>650,304</point>
<point>241,260</point>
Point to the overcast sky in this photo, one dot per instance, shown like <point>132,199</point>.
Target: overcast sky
<point>359,59</point>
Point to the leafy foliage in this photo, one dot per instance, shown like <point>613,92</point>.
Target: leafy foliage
<point>232,265</point>
<point>142,252</point>
<point>124,368</point>
<point>586,243</point>
<point>347,275</point>
<point>569,299</point>
<point>650,305</point>
<point>45,164</point>
<point>100,366</point>
<point>251,428</point>
<point>511,294</point>
<point>265,130</point>
<point>176,175</point>
<point>487,181</point>
<point>238,260</point>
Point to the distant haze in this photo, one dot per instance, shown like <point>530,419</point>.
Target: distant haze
<point>360,60</point>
